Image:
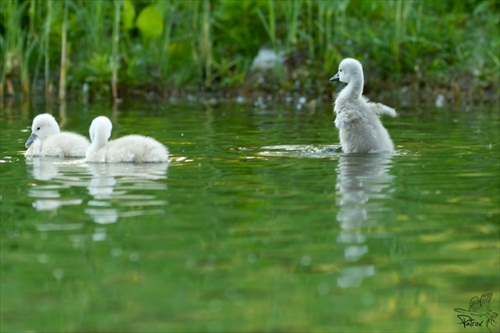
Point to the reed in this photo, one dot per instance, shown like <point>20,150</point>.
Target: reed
<point>14,49</point>
<point>115,57</point>
<point>62,77</point>
<point>269,22</point>
<point>291,10</point>
<point>309,35</point>
<point>94,23</point>
<point>46,49</point>
<point>211,43</point>
<point>169,11</point>
<point>326,16</point>
<point>206,44</point>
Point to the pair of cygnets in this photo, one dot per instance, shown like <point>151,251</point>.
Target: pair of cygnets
<point>47,140</point>
<point>360,129</point>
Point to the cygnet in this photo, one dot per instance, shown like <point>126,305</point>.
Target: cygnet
<point>360,129</point>
<point>130,148</point>
<point>46,139</point>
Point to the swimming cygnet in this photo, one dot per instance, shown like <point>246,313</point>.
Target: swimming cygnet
<point>360,129</point>
<point>46,139</point>
<point>130,148</point>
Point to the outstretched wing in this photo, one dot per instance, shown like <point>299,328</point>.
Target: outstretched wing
<point>381,109</point>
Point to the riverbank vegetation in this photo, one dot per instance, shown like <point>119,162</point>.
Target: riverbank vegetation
<point>116,48</point>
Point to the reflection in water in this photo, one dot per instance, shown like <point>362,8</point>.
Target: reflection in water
<point>111,183</point>
<point>43,168</point>
<point>65,174</point>
<point>308,151</point>
<point>361,180</point>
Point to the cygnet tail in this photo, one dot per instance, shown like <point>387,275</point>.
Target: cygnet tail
<point>157,154</point>
<point>381,109</point>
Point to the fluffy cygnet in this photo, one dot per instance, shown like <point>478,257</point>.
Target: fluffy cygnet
<point>360,129</point>
<point>130,148</point>
<point>47,140</point>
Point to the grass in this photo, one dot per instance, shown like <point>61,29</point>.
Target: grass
<point>64,42</point>
<point>209,45</point>
<point>115,57</point>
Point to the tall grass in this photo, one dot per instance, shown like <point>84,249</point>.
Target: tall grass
<point>268,20</point>
<point>46,49</point>
<point>115,59</point>
<point>169,13</point>
<point>116,45</point>
<point>17,46</point>
<point>202,40</point>
<point>64,42</point>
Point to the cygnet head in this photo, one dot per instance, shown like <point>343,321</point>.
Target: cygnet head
<point>349,69</point>
<point>44,125</point>
<point>100,129</point>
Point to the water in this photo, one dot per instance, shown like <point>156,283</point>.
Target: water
<point>256,224</point>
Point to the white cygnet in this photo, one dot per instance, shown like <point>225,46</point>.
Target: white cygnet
<point>46,139</point>
<point>130,148</point>
<point>360,129</point>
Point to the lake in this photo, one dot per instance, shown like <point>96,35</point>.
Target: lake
<point>257,224</point>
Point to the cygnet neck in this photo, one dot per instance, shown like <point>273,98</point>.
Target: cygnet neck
<point>100,138</point>
<point>354,88</point>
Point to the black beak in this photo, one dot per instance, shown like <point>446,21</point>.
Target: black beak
<point>335,78</point>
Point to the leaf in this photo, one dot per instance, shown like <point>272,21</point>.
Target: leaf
<point>128,15</point>
<point>150,23</point>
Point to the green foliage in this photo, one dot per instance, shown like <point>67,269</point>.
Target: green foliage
<point>210,44</point>
<point>128,15</point>
<point>150,23</point>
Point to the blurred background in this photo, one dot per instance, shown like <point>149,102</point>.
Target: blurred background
<point>258,223</point>
<point>157,48</point>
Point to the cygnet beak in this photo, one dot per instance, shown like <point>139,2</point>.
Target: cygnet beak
<point>335,78</point>
<point>32,138</point>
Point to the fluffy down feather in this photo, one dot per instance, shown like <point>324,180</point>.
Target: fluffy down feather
<point>130,148</point>
<point>360,129</point>
<point>46,139</point>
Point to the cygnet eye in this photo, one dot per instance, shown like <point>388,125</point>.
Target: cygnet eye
<point>38,128</point>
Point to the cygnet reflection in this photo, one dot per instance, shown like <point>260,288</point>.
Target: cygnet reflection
<point>110,185</point>
<point>43,168</point>
<point>362,179</point>
<point>63,174</point>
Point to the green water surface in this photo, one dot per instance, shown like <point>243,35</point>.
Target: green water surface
<point>255,225</point>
